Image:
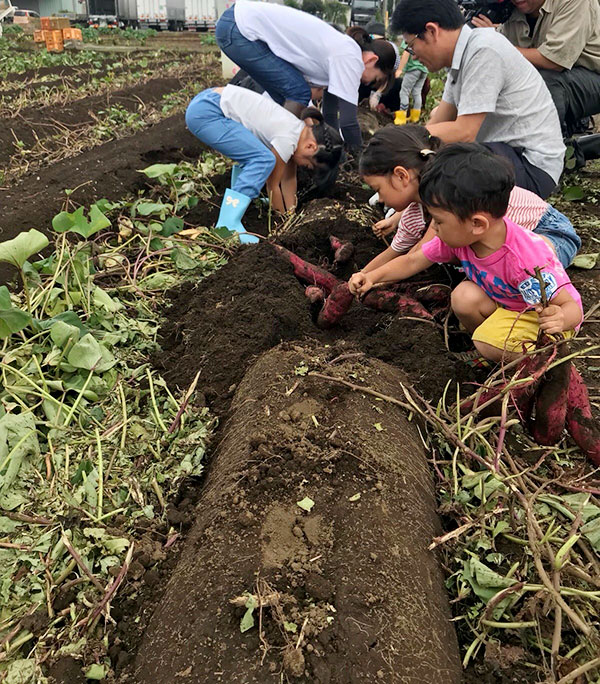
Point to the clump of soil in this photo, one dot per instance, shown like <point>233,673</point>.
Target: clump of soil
<point>346,591</point>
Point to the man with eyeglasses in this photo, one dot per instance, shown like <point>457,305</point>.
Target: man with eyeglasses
<point>493,95</point>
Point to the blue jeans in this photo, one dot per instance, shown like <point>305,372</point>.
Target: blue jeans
<point>279,78</point>
<point>205,119</point>
<point>527,175</point>
<point>559,230</point>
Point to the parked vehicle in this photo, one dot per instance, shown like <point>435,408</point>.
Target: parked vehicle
<point>25,17</point>
<point>364,11</point>
<point>166,15</point>
<point>200,15</point>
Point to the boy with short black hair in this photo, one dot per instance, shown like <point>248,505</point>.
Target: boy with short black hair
<point>466,190</point>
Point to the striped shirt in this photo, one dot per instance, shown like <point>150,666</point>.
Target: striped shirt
<point>525,209</point>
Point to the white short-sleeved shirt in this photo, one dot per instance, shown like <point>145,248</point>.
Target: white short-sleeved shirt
<point>323,55</point>
<point>269,122</point>
<point>488,75</point>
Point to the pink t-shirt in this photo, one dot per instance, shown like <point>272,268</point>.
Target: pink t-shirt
<point>508,275</point>
<point>525,208</point>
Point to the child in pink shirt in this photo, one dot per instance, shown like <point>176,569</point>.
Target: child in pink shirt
<point>392,164</point>
<point>466,190</point>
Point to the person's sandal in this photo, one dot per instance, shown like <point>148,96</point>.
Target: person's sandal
<point>473,359</point>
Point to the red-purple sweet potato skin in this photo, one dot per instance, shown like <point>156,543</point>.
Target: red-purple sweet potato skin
<point>580,423</point>
<point>336,305</point>
<point>308,272</point>
<point>551,405</point>
<point>385,300</point>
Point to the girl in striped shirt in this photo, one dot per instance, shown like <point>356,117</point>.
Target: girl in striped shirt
<point>392,164</point>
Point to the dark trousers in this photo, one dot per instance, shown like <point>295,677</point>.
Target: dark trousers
<point>527,175</point>
<point>576,94</point>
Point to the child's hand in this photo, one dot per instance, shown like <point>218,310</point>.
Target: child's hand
<point>552,318</point>
<point>385,226</point>
<point>360,283</point>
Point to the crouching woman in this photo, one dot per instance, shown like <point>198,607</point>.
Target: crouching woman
<point>267,141</point>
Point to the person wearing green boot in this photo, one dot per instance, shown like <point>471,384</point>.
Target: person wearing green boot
<point>268,143</point>
<point>413,75</point>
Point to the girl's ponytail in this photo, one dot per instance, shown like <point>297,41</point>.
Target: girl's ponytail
<point>331,145</point>
<point>410,146</point>
<point>359,34</point>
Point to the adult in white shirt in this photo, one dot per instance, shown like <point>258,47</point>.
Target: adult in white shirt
<point>283,48</point>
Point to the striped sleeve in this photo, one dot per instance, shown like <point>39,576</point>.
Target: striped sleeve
<point>411,228</point>
<point>525,208</point>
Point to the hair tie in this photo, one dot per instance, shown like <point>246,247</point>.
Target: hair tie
<point>426,152</point>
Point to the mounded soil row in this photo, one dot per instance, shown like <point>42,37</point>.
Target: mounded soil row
<point>77,79</point>
<point>111,171</point>
<point>35,124</point>
<point>354,594</point>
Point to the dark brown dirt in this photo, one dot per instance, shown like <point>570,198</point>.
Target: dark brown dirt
<point>354,576</point>
<point>58,71</point>
<point>253,303</point>
<point>111,171</point>
<point>36,123</point>
<point>79,77</point>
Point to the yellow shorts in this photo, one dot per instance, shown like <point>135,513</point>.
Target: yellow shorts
<point>510,330</point>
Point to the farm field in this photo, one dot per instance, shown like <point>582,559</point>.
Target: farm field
<point>193,486</point>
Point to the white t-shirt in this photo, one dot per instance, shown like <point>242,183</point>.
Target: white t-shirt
<point>323,55</point>
<point>273,125</point>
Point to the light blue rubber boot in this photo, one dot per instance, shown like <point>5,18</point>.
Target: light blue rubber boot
<point>233,207</point>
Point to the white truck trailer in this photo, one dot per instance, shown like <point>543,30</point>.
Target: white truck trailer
<point>165,15</point>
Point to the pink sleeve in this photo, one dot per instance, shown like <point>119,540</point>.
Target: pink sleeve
<point>435,250</point>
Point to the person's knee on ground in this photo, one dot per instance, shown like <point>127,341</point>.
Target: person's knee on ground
<point>471,305</point>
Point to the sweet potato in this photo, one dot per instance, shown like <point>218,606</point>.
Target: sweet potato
<point>343,251</point>
<point>522,395</point>
<point>385,300</point>
<point>336,305</point>
<point>314,294</point>
<point>308,272</point>
<point>551,402</point>
<point>580,423</point>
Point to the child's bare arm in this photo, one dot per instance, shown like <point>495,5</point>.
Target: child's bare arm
<point>274,184</point>
<point>387,225</point>
<point>403,63</point>
<point>562,313</point>
<point>380,260</point>
<point>400,268</point>
<point>289,185</point>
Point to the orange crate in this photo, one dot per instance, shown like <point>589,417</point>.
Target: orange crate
<point>39,36</point>
<point>72,34</point>
<point>54,41</point>
<point>45,23</point>
<point>59,23</point>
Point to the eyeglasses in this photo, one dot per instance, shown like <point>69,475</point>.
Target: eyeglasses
<point>409,46</point>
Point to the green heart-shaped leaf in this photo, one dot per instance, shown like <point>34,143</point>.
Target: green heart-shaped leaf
<point>19,249</point>
<point>11,319</point>
<point>157,170</point>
